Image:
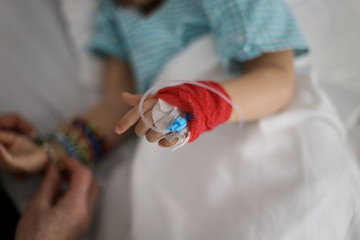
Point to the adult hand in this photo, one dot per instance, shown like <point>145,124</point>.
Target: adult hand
<point>13,122</point>
<point>51,215</point>
<point>19,153</point>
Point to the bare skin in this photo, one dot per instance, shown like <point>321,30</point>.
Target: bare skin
<point>52,214</point>
<point>266,88</point>
<point>18,153</point>
<point>16,123</point>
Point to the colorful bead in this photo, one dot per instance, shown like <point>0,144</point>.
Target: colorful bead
<point>81,140</point>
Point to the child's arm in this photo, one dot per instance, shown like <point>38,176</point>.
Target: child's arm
<point>118,79</point>
<point>266,88</point>
<point>104,115</point>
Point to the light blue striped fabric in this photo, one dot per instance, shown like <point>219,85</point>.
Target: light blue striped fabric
<point>243,30</point>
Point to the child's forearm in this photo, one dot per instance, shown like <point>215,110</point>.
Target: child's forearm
<point>266,88</point>
<point>111,108</point>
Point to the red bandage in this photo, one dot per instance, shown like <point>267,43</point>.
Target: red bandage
<point>207,109</point>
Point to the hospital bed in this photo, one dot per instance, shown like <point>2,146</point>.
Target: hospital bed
<point>42,42</point>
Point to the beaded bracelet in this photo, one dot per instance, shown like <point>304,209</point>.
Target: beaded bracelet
<point>52,155</point>
<point>50,152</point>
<point>80,140</point>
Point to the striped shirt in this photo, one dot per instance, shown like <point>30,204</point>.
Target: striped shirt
<point>242,30</point>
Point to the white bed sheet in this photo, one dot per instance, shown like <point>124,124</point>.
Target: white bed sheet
<point>241,183</point>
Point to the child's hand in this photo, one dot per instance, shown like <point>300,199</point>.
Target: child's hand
<point>133,117</point>
<point>19,153</point>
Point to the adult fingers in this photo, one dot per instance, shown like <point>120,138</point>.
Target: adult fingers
<point>93,196</point>
<point>7,139</point>
<point>25,127</point>
<point>19,164</point>
<point>17,123</point>
<point>50,186</point>
<point>133,116</point>
<point>80,180</point>
<point>4,157</point>
<point>7,160</point>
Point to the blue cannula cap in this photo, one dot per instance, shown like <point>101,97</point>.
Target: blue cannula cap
<point>178,125</point>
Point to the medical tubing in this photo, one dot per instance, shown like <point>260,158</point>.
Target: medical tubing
<point>178,82</point>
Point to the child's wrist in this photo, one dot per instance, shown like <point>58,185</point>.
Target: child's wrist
<point>80,139</point>
<point>55,153</point>
<point>207,109</point>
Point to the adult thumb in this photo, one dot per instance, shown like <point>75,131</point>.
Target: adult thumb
<point>50,186</point>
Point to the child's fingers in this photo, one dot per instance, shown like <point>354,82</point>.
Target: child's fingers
<point>133,116</point>
<point>141,128</point>
<point>131,99</point>
<point>166,143</point>
<point>153,136</point>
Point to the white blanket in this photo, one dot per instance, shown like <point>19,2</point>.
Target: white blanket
<point>288,176</point>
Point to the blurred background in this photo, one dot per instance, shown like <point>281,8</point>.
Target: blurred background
<point>43,42</point>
